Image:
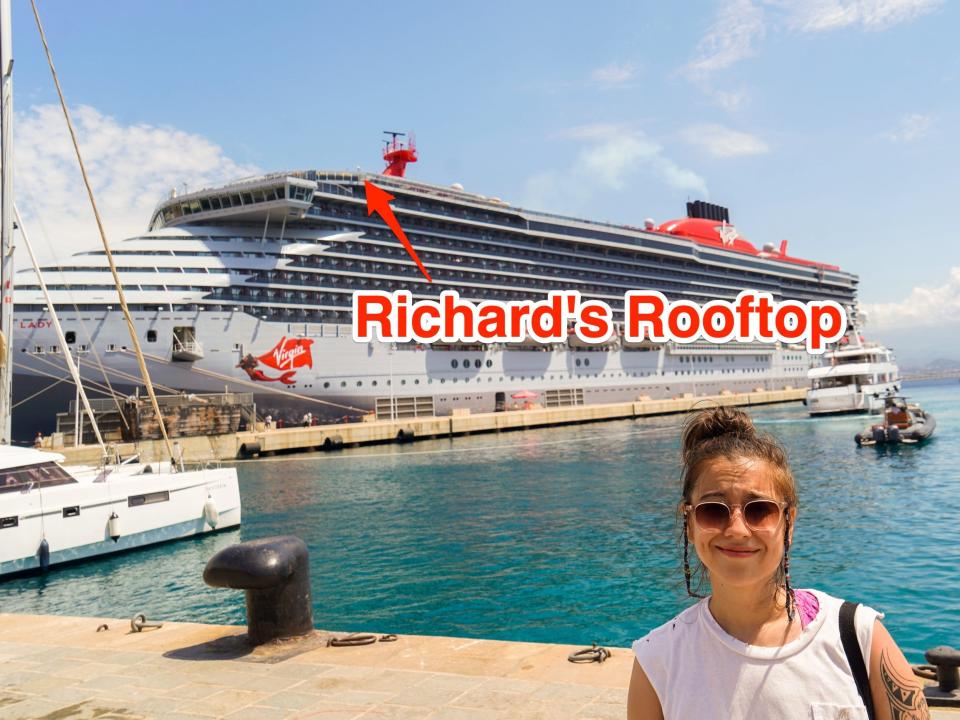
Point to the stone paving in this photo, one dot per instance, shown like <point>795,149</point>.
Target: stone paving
<point>61,668</point>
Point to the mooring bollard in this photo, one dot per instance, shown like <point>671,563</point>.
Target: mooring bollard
<point>275,574</point>
<point>947,662</point>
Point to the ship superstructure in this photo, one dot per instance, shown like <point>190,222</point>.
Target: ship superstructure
<point>249,285</point>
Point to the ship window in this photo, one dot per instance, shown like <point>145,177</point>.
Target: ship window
<point>148,498</point>
<point>586,361</point>
<point>31,476</point>
<point>476,364</point>
<point>70,336</point>
<point>38,349</point>
<point>151,335</point>
<point>454,364</point>
<point>489,363</point>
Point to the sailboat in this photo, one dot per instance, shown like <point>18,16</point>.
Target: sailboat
<point>50,513</point>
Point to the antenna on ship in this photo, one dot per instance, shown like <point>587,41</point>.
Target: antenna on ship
<point>396,154</point>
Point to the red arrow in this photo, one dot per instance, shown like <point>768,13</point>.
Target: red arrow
<point>378,201</point>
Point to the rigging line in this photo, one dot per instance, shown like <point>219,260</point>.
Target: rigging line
<point>76,309</point>
<point>123,375</point>
<point>258,386</point>
<point>99,387</point>
<point>67,355</point>
<point>103,236</point>
<point>38,392</point>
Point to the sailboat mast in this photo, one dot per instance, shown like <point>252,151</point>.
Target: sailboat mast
<point>6,222</point>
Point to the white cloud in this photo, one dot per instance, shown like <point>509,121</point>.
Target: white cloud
<point>825,15</point>
<point>730,39</point>
<point>613,156</point>
<point>741,24</point>
<point>911,127</point>
<point>131,168</point>
<point>614,73</point>
<point>931,307</point>
<point>723,142</point>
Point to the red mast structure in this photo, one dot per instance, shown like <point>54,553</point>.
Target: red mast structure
<point>397,155</point>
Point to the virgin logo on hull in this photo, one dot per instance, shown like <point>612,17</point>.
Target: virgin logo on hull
<point>286,356</point>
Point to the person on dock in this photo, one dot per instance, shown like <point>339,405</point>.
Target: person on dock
<point>756,647</point>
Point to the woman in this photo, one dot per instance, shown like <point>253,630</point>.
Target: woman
<point>757,648</point>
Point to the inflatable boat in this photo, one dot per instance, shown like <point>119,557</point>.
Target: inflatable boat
<point>903,423</point>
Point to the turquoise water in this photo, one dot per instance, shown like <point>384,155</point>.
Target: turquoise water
<point>560,535</point>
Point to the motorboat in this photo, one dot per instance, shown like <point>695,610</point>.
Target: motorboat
<point>903,422</point>
<point>52,514</point>
<point>854,377</point>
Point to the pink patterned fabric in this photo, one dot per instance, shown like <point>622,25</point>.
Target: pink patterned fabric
<point>807,605</point>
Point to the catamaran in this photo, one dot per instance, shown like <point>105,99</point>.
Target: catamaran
<point>51,514</point>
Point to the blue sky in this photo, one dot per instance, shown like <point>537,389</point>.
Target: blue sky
<point>826,123</point>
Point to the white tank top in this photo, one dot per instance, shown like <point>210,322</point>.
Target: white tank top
<point>699,671</point>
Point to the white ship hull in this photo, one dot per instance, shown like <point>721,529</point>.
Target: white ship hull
<point>333,376</point>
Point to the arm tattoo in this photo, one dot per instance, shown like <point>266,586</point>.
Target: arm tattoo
<point>905,697</point>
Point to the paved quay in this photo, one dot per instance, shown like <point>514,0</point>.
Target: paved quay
<point>59,668</point>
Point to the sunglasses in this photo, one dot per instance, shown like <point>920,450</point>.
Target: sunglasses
<point>758,515</point>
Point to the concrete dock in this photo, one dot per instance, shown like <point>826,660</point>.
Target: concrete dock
<point>60,668</point>
<point>331,437</point>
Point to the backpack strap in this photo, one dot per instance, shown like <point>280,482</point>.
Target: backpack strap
<point>851,646</point>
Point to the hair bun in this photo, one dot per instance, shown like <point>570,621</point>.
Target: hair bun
<point>710,423</point>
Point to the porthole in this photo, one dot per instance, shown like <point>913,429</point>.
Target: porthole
<point>489,363</point>
<point>476,364</point>
<point>454,364</point>
<point>586,362</point>
<point>578,362</point>
<point>326,385</point>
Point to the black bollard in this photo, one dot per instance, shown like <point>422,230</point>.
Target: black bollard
<point>275,573</point>
<point>947,662</point>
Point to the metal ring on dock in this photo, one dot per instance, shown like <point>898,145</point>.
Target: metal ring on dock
<point>139,623</point>
<point>928,672</point>
<point>389,637</point>
<point>596,654</point>
<point>101,628</point>
<point>352,639</point>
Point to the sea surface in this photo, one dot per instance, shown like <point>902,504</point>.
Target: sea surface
<point>558,535</point>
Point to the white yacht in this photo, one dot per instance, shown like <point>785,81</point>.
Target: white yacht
<point>50,514</point>
<point>855,377</point>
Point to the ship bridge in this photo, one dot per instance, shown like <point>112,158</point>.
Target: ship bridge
<point>280,196</point>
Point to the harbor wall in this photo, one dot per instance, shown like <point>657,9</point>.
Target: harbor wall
<point>262,441</point>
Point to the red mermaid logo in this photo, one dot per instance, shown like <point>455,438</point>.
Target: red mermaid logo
<point>286,356</point>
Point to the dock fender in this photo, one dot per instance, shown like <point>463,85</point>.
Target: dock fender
<point>249,449</point>
<point>333,442</point>
<point>113,527</point>
<point>405,435</point>
<point>43,555</point>
<point>210,513</point>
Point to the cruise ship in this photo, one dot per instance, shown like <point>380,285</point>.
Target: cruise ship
<point>248,287</point>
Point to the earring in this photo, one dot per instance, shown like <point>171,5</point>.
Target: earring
<point>786,568</point>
